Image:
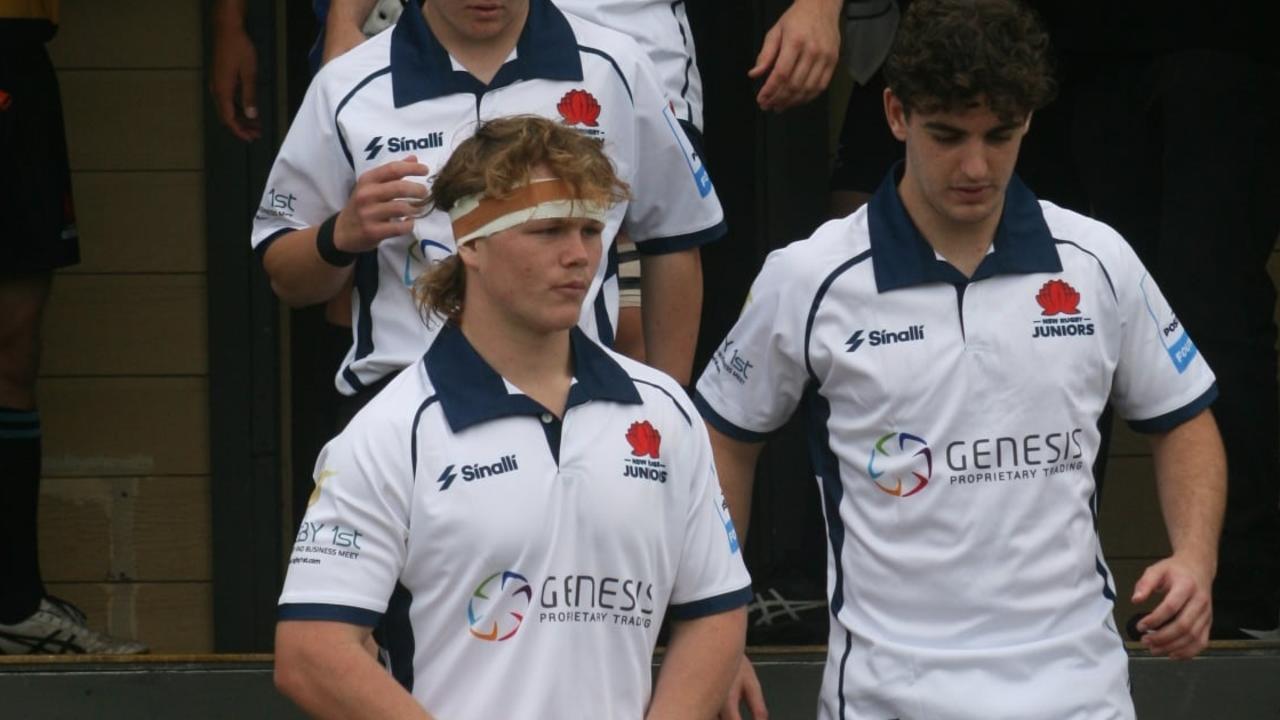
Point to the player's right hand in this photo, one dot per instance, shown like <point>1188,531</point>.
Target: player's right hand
<point>745,688</point>
<point>383,204</point>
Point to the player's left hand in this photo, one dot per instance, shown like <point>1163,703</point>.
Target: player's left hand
<point>1179,626</point>
<point>799,54</point>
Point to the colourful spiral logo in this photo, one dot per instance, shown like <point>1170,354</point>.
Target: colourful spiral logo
<point>498,604</point>
<point>899,457</point>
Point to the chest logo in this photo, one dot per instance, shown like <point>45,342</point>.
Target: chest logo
<point>901,464</point>
<point>644,463</point>
<point>403,144</point>
<point>477,471</point>
<point>883,337</point>
<point>579,107</point>
<point>1057,297</point>
<point>1060,312</point>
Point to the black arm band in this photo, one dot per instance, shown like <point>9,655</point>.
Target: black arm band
<point>328,251</point>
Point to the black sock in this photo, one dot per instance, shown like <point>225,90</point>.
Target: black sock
<point>20,586</point>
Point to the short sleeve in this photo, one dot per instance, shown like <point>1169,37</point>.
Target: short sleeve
<point>755,379</point>
<point>311,177</point>
<point>352,543</point>
<point>674,206</point>
<point>711,577</point>
<point>1161,379</point>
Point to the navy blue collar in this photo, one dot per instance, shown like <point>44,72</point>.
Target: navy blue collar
<point>472,392</point>
<point>901,257</point>
<point>421,70</point>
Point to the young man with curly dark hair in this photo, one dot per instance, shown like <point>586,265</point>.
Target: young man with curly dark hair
<point>952,345</point>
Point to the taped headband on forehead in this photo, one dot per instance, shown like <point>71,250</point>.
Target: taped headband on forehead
<point>477,216</point>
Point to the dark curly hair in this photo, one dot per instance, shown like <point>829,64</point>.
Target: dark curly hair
<point>497,161</point>
<point>953,54</point>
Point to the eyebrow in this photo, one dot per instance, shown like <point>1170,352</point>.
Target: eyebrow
<point>939,125</point>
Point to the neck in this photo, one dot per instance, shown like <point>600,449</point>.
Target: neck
<point>964,245</point>
<point>540,364</point>
<point>482,57</point>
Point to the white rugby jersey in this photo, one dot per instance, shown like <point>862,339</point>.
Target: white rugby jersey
<point>953,428</point>
<point>523,563</point>
<point>661,28</point>
<point>400,93</point>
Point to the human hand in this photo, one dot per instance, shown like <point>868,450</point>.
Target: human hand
<point>235,67</point>
<point>799,54</point>
<point>745,688</point>
<point>382,205</point>
<point>1179,626</point>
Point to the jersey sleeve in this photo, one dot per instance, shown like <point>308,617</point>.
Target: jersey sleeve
<point>755,379</point>
<point>1161,379</point>
<point>674,206</point>
<point>351,546</point>
<point>711,577</point>
<point>311,177</point>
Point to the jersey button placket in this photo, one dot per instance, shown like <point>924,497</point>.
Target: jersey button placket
<point>551,427</point>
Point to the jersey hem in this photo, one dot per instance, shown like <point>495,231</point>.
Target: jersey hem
<point>326,611</point>
<point>677,243</point>
<point>724,426</point>
<point>713,605</point>
<point>1172,419</point>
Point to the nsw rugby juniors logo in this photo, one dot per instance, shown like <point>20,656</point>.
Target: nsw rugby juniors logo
<point>1060,312</point>
<point>644,439</point>
<point>579,107</point>
<point>646,444</point>
<point>498,606</point>
<point>901,464</point>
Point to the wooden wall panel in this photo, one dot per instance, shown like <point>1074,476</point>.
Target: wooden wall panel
<point>168,617</point>
<point>132,222</point>
<point>126,325</point>
<point>133,120</point>
<point>128,34</point>
<point>125,529</point>
<point>108,427</point>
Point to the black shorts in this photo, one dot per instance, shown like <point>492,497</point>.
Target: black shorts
<point>37,218</point>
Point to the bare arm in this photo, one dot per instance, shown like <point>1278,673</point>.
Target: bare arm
<point>701,661</point>
<point>382,205</point>
<point>736,466</point>
<point>233,72</point>
<point>342,27</point>
<point>327,670</point>
<point>1191,479</point>
<point>671,285</point>
<point>799,54</point>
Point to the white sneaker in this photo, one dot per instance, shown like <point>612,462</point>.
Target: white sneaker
<point>57,627</point>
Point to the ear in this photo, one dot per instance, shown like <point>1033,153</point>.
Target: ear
<point>896,115</point>
<point>469,256</point>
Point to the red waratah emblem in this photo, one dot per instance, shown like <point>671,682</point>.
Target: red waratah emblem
<point>5,100</point>
<point>579,107</point>
<point>1056,297</point>
<point>644,439</point>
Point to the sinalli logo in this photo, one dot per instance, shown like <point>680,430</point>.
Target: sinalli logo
<point>884,337</point>
<point>498,605</point>
<point>478,471</point>
<point>899,456</point>
<point>403,144</point>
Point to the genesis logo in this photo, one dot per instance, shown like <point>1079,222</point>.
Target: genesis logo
<point>884,337</point>
<point>403,144</point>
<point>901,455</point>
<point>497,609</point>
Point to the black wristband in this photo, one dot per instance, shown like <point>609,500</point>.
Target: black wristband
<point>328,251</point>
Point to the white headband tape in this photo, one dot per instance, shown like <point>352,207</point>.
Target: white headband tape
<point>477,216</point>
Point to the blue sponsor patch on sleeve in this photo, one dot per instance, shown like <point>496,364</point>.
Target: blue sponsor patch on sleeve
<point>1182,352</point>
